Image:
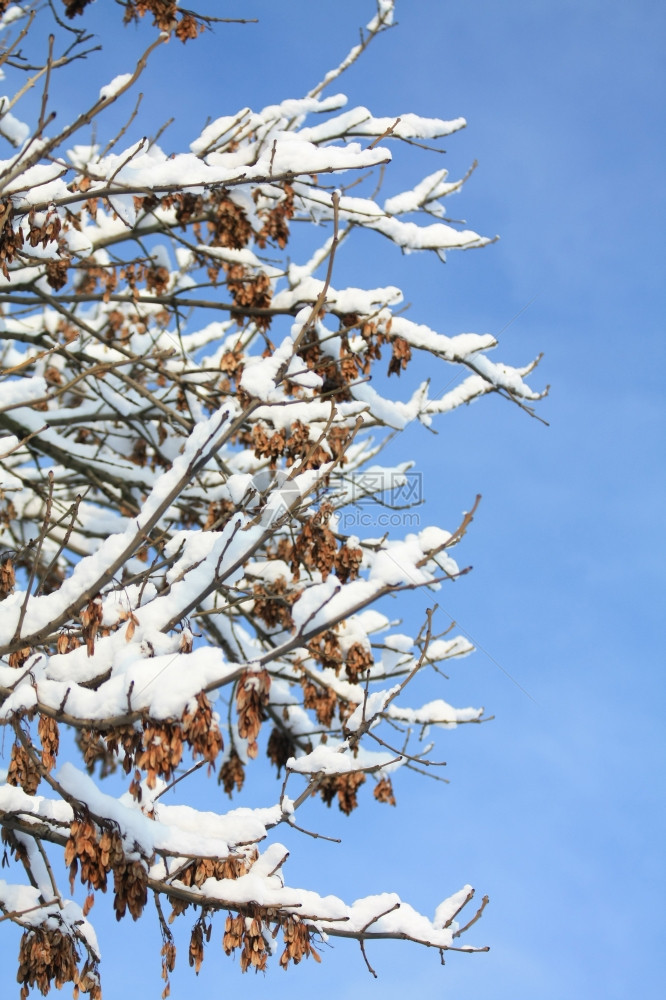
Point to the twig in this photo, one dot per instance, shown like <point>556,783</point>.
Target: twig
<point>477,915</point>
<point>195,767</point>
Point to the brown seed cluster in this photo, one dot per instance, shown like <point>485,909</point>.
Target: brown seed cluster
<point>161,751</point>
<point>23,771</point>
<point>89,274</point>
<point>66,643</point>
<point>273,602</point>
<point>309,454</point>
<point>130,882</point>
<point>251,697</point>
<point>201,731</point>
<point>315,546</point>
<point>348,562</point>
<point>294,445</point>
<point>56,273</point>
<point>74,7</point>
<point>323,700</point>
<point>19,657</point>
<point>44,232</point>
<point>91,619</point>
<point>196,950</point>
<point>297,943</point>
<point>95,851</point>
<point>7,577</point>
<point>232,774</point>
<point>103,748</point>
<point>247,934</point>
<point>219,512</point>
<point>166,16</point>
<point>49,735</point>
<point>249,292</point>
<point>358,660</point>
<point>276,226</point>
<point>7,512</point>
<point>226,223</point>
<point>168,954</point>
<point>198,871</point>
<point>401,356</point>
<point>268,445</point>
<point>280,747</point>
<point>325,649</point>
<point>48,956</point>
<point>345,787</point>
<point>374,339</point>
<point>384,792</point>
<point>158,750</point>
<point>11,240</point>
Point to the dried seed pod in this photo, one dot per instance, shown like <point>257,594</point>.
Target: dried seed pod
<point>358,660</point>
<point>196,950</point>
<point>251,696</point>
<point>7,577</point>
<point>232,774</point>
<point>130,881</point>
<point>345,787</point>
<point>19,657</point>
<point>95,852</point>
<point>322,699</point>
<point>161,752</point>
<point>383,791</point>
<point>22,770</point>
<point>46,956</point>
<point>297,943</point>
<point>50,737</point>
<point>402,354</point>
<point>280,748</point>
<point>91,619</point>
<point>201,730</point>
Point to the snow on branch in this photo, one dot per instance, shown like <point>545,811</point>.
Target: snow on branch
<point>189,462</point>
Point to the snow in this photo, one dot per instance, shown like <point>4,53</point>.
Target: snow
<point>77,243</point>
<point>260,375</point>
<point>347,300</point>
<point>332,758</point>
<point>12,14</point>
<point>371,707</point>
<point>327,602</point>
<point>115,86</point>
<point>14,130</point>
<point>8,482</point>
<point>444,649</point>
<point>292,155</point>
<point>179,830</point>
<point>37,184</point>
<point>425,192</point>
<point>384,15</point>
<point>22,390</point>
<point>216,130</point>
<point>199,592</point>
<point>435,713</point>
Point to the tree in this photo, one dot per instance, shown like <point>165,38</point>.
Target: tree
<point>187,422</point>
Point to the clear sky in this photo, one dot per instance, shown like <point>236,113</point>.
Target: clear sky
<point>555,809</point>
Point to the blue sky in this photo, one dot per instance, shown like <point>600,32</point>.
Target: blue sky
<point>555,809</point>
